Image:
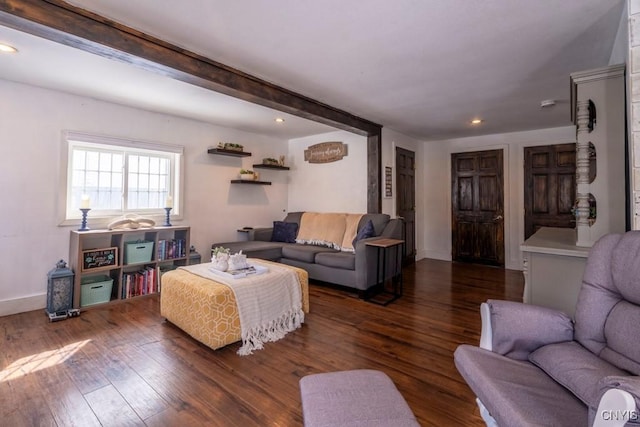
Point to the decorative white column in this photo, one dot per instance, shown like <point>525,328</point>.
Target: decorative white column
<point>605,88</point>
<point>582,174</point>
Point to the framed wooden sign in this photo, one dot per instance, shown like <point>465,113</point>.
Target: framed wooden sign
<point>99,258</point>
<point>325,152</point>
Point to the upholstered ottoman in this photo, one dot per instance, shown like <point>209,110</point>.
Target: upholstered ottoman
<point>207,310</point>
<point>361,397</point>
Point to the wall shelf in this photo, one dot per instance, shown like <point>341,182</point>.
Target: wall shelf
<point>267,166</point>
<point>246,181</point>
<point>232,153</point>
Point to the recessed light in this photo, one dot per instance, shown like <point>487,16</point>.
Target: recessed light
<point>279,120</point>
<point>476,121</point>
<point>7,49</point>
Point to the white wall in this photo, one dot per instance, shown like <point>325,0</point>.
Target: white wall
<point>339,186</point>
<point>434,239</point>
<point>32,120</point>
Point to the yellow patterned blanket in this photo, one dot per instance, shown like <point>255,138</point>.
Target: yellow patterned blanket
<point>207,309</point>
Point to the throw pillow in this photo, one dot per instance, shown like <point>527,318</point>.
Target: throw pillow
<point>284,232</point>
<point>365,232</point>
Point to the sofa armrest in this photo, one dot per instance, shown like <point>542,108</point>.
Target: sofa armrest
<point>261,234</point>
<point>619,402</point>
<point>515,329</point>
<point>393,229</point>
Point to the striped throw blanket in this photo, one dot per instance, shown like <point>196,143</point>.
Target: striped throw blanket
<point>269,304</point>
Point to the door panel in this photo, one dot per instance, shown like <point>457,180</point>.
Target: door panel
<point>477,198</point>
<point>405,200</point>
<point>550,186</point>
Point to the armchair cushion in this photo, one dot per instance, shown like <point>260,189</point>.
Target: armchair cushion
<point>575,368</point>
<point>498,383</point>
<point>518,329</point>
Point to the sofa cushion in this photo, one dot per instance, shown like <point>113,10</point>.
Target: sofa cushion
<point>284,232</point>
<point>576,368</point>
<point>379,222</point>
<point>365,232</point>
<point>518,393</point>
<point>344,260</point>
<point>304,253</point>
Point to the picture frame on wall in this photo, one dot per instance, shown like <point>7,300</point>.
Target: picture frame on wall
<point>388,192</point>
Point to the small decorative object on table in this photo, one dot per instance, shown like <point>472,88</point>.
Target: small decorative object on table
<point>247,175</point>
<point>220,258</point>
<point>238,261</point>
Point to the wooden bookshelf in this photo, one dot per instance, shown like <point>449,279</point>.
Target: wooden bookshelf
<point>105,253</point>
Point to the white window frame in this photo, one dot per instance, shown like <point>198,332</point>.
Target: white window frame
<point>73,139</point>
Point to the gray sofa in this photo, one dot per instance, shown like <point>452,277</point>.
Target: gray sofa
<point>356,270</point>
<point>537,366</point>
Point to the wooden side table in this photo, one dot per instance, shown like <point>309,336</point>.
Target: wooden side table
<point>385,247</point>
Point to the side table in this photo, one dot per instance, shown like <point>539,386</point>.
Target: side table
<point>385,248</point>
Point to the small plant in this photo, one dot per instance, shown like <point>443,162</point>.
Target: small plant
<point>246,172</point>
<point>219,250</point>
<point>233,146</point>
<point>270,161</point>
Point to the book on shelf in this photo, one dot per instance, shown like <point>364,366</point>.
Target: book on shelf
<point>171,249</point>
<point>141,282</point>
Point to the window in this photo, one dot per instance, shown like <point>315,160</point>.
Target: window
<point>121,176</point>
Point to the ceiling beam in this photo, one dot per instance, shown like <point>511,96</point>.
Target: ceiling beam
<point>63,23</point>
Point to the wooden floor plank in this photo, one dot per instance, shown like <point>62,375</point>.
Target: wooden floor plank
<point>131,367</point>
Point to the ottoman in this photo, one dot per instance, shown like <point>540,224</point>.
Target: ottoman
<point>360,397</point>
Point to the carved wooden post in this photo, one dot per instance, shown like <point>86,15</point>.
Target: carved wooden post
<point>582,175</point>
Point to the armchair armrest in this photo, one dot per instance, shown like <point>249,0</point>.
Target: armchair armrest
<point>619,402</point>
<point>515,329</point>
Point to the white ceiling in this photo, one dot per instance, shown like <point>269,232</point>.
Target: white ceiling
<point>421,67</point>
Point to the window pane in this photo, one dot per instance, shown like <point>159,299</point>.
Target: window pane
<point>154,165</point>
<point>92,161</point>
<point>79,159</point>
<point>117,163</point>
<point>133,163</point>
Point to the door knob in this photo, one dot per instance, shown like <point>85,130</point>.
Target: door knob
<point>497,218</point>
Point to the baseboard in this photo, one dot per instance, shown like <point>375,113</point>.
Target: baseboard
<point>443,256</point>
<point>20,305</point>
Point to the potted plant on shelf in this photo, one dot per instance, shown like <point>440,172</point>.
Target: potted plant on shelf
<point>247,175</point>
<point>270,161</point>
<point>232,146</point>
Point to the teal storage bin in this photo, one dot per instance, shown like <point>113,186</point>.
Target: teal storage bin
<point>95,290</point>
<point>138,252</point>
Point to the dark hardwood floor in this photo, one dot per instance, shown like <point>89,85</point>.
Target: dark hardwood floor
<point>121,364</point>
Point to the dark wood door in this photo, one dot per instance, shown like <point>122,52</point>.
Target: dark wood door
<point>477,198</point>
<point>549,187</point>
<point>406,199</point>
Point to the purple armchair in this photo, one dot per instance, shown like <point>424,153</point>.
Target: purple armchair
<point>536,366</point>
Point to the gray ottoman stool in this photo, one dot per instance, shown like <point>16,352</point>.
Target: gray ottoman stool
<point>361,397</point>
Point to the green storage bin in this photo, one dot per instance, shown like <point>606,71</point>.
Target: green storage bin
<point>95,290</point>
<point>138,252</point>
